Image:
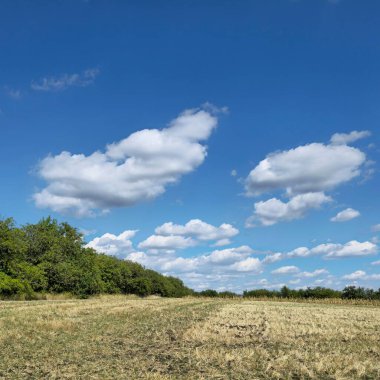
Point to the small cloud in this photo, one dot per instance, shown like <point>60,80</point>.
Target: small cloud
<point>345,215</point>
<point>234,173</point>
<point>291,269</point>
<point>13,93</point>
<point>64,81</point>
<point>359,274</point>
<point>316,273</point>
<point>375,262</point>
<point>212,108</point>
<point>346,138</point>
<point>376,228</point>
<point>222,242</point>
<point>274,210</point>
<point>114,245</point>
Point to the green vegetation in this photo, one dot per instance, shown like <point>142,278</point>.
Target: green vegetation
<point>50,257</point>
<point>349,292</point>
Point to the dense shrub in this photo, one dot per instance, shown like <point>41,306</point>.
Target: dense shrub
<point>51,257</point>
<point>14,288</point>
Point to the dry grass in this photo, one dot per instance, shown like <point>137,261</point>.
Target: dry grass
<point>126,338</point>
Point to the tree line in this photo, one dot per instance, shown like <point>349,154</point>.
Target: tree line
<point>51,257</point>
<point>349,292</point>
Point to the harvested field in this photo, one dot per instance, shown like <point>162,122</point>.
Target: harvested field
<point>126,338</point>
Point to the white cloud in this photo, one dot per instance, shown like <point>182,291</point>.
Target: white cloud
<point>376,262</point>
<point>316,273</point>
<point>299,252</point>
<point>273,258</point>
<point>234,173</point>
<point>222,242</point>
<point>346,138</point>
<point>361,275</point>
<point>306,169</point>
<point>63,81</point>
<point>156,243</point>
<point>229,255</point>
<point>170,236</point>
<point>345,215</point>
<point>114,245</point>
<point>130,171</point>
<point>291,269</point>
<point>376,228</point>
<point>199,230</point>
<point>180,264</point>
<point>351,249</point>
<point>217,263</point>
<point>250,264</point>
<point>274,210</point>
<point>305,173</point>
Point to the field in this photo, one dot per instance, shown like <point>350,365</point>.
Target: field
<point>126,338</point>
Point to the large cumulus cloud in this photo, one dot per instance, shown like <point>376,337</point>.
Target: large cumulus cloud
<point>133,170</point>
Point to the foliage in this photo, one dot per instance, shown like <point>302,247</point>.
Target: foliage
<point>50,257</point>
<point>350,292</point>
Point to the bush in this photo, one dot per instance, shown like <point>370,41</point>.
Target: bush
<point>14,289</point>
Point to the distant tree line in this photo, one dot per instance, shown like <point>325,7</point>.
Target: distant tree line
<point>349,292</point>
<point>51,257</point>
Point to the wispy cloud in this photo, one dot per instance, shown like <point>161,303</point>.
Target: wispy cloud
<point>12,93</point>
<point>64,81</point>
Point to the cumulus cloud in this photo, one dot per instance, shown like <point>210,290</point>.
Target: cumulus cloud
<point>114,245</point>
<point>274,210</point>
<point>346,138</point>
<point>199,230</point>
<point>376,228</point>
<point>250,264</point>
<point>64,81</point>
<point>157,243</point>
<point>218,262</point>
<point>316,273</point>
<point>361,275</point>
<point>305,174</point>
<point>291,269</point>
<point>375,262</point>
<point>345,215</point>
<point>273,258</point>
<point>306,169</point>
<point>229,255</point>
<point>352,248</point>
<point>130,171</point>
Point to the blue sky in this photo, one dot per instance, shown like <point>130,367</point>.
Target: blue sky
<point>196,137</point>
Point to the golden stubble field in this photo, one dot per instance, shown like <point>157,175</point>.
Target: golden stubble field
<point>118,337</point>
